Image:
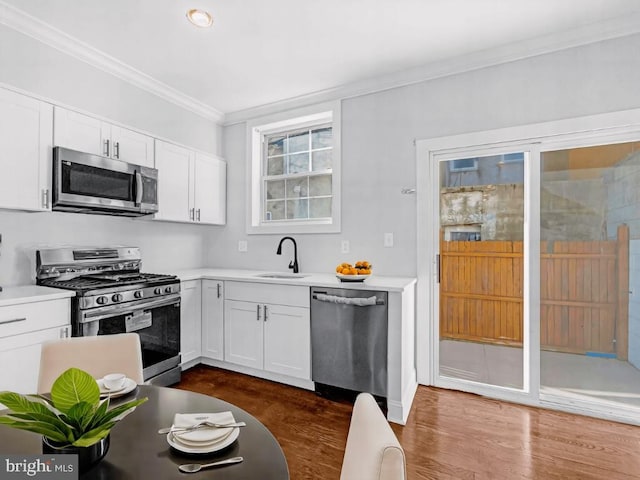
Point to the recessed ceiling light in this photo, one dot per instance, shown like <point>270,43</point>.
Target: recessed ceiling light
<point>200,18</point>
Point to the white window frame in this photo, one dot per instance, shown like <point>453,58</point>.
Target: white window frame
<point>256,131</point>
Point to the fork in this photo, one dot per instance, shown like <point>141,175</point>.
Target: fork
<point>201,425</point>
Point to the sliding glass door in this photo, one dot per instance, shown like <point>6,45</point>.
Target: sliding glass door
<point>589,229</point>
<point>529,264</point>
<point>481,218</point>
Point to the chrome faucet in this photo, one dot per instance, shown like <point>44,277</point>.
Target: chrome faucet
<point>294,263</point>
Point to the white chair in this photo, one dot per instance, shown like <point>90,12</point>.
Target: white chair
<point>373,451</point>
<point>99,355</point>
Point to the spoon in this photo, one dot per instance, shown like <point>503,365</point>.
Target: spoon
<point>196,467</point>
<point>201,425</point>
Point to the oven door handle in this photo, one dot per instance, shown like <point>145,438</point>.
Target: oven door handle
<point>122,309</point>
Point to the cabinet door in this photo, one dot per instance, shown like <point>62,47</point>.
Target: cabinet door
<point>243,333</point>
<point>132,147</point>
<point>26,127</point>
<point>190,319</point>
<point>213,319</point>
<point>210,184</point>
<point>81,132</point>
<point>20,358</point>
<point>287,341</point>
<point>174,195</point>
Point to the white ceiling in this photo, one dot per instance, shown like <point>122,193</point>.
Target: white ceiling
<point>259,52</point>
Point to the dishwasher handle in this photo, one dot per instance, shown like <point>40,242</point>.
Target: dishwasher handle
<point>357,301</point>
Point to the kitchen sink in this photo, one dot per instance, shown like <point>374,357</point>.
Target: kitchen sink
<point>281,275</point>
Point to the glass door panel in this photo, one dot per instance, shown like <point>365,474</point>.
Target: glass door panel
<point>481,269</point>
<point>590,236</point>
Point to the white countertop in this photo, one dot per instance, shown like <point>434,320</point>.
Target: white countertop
<point>31,293</point>
<point>310,279</point>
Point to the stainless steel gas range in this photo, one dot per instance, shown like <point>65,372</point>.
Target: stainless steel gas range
<point>113,296</point>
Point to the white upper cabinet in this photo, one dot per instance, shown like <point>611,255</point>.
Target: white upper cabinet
<point>174,196</point>
<point>132,147</point>
<point>88,134</point>
<point>26,133</point>
<point>191,186</point>
<point>210,189</point>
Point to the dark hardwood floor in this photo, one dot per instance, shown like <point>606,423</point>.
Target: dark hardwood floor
<point>449,435</point>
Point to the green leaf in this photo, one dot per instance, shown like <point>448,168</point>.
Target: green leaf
<point>81,414</point>
<point>74,386</point>
<point>94,436</point>
<point>20,403</point>
<point>118,413</point>
<point>100,412</point>
<point>42,428</point>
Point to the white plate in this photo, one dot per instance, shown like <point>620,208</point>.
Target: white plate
<point>352,278</point>
<point>129,386</point>
<point>201,443</point>
<point>210,448</point>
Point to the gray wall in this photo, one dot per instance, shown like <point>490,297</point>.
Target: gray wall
<point>378,153</point>
<point>38,69</point>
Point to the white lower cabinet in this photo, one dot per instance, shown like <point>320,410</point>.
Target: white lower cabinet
<point>190,320</point>
<point>213,319</point>
<point>23,328</point>
<point>20,357</point>
<point>267,327</point>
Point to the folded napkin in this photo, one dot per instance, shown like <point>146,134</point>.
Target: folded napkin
<point>205,434</point>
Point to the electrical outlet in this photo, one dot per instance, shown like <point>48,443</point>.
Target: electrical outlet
<point>242,246</point>
<point>388,239</point>
<point>345,246</point>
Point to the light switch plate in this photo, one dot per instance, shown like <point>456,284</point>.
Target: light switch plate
<point>242,246</point>
<point>388,239</point>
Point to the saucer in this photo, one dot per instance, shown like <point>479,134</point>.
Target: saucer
<point>206,448</point>
<point>129,386</point>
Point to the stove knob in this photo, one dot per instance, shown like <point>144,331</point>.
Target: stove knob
<point>117,297</point>
<point>137,294</point>
<point>167,290</point>
<point>157,291</point>
<point>102,300</point>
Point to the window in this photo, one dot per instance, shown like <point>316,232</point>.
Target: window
<point>294,171</point>
<point>463,165</point>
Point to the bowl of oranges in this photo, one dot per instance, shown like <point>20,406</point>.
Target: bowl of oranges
<point>347,272</point>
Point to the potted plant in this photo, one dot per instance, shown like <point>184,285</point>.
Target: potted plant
<point>74,420</point>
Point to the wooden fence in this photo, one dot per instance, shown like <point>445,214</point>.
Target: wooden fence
<point>583,291</point>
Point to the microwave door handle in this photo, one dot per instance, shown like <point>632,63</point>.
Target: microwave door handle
<point>139,188</point>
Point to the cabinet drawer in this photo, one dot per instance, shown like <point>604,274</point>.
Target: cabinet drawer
<point>30,317</point>
<point>297,296</point>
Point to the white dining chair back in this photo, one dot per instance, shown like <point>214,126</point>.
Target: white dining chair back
<point>98,355</point>
<point>373,451</point>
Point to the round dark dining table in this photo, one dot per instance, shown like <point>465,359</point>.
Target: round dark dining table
<point>137,451</point>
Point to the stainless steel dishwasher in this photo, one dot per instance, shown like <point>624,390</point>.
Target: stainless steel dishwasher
<point>349,339</point>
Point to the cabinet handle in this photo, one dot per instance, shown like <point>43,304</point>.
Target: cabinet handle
<point>116,149</point>
<point>106,148</point>
<point>198,214</point>
<point>13,320</point>
<point>45,198</point>
<point>191,214</point>
<point>265,313</point>
<point>218,290</point>
<point>258,312</point>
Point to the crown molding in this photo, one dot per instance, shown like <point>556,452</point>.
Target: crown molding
<point>28,25</point>
<point>593,33</point>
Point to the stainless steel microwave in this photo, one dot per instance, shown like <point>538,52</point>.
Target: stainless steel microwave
<point>86,183</point>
